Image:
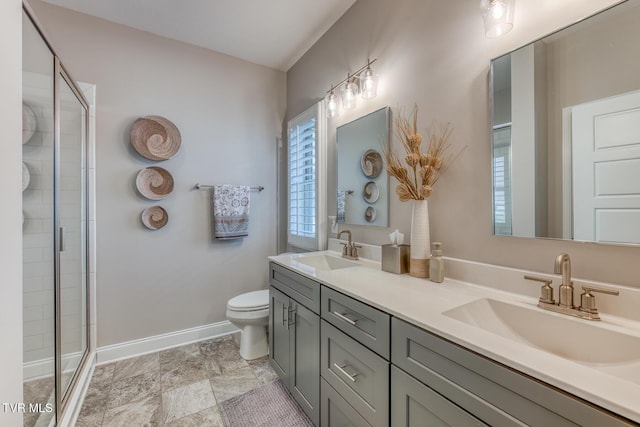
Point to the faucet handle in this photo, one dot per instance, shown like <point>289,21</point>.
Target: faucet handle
<point>354,250</point>
<point>588,301</point>
<point>345,248</point>
<point>546,291</point>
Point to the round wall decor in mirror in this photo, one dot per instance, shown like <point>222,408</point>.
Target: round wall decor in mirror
<point>155,138</point>
<point>155,217</point>
<point>371,163</point>
<point>154,183</point>
<point>370,214</point>
<point>371,192</point>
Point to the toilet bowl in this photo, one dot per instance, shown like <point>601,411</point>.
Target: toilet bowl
<point>250,313</point>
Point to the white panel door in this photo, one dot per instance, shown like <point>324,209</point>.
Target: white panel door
<point>606,169</point>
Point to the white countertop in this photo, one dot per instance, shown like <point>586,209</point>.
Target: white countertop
<point>422,302</point>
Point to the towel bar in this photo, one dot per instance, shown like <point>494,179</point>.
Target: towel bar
<point>203,186</point>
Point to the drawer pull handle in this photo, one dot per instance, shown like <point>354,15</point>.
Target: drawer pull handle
<point>345,318</point>
<point>352,377</point>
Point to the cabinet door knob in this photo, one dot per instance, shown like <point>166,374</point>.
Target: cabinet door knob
<point>351,377</point>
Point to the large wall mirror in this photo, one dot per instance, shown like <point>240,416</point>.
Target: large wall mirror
<point>363,184</point>
<point>566,132</point>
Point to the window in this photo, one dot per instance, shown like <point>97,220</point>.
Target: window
<point>502,180</point>
<point>306,165</point>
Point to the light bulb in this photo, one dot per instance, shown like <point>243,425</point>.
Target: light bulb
<point>349,95</point>
<point>332,104</point>
<point>369,84</point>
<point>497,9</point>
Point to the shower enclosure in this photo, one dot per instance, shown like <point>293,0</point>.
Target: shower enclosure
<point>55,230</point>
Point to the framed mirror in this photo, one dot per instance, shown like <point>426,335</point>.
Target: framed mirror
<point>363,184</point>
<point>566,132</point>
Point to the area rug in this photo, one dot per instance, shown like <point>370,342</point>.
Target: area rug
<point>268,406</point>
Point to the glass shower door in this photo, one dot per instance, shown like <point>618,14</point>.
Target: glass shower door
<point>72,233</point>
<point>38,227</point>
<point>55,237</point>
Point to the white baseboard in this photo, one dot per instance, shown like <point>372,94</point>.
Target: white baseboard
<point>114,352</point>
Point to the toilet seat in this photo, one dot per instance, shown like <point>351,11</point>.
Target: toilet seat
<point>251,301</point>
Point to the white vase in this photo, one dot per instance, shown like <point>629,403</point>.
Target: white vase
<point>420,239</point>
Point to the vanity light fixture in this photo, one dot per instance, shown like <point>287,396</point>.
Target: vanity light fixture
<point>363,82</point>
<point>497,16</point>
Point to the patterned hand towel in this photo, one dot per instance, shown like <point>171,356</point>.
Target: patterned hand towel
<point>341,202</point>
<point>230,211</point>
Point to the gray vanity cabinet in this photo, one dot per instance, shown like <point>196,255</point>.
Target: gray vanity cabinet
<point>294,337</point>
<point>413,404</point>
<point>491,392</point>
<point>354,362</point>
<point>279,333</point>
<point>335,411</point>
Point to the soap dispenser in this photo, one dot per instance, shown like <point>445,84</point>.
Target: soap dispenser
<point>436,265</point>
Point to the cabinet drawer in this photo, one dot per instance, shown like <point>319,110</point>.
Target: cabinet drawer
<point>413,404</point>
<point>336,412</point>
<point>359,375</point>
<point>300,288</point>
<point>492,392</point>
<point>366,324</point>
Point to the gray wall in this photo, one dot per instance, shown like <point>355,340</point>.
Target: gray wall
<point>11,212</point>
<point>229,113</point>
<point>436,54</point>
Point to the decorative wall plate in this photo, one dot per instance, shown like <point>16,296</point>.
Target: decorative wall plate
<point>154,182</point>
<point>371,192</point>
<point>154,217</point>
<point>155,138</point>
<point>26,177</point>
<point>370,214</point>
<point>371,163</point>
<point>28,123</point>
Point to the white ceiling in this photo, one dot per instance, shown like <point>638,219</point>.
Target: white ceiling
<point>274,33</point>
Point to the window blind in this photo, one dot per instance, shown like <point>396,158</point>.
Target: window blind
<point>307,179</point>
<point>502,181</point>
<point>302,179</point>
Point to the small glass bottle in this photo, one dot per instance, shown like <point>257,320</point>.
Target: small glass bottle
<point>436,265</point>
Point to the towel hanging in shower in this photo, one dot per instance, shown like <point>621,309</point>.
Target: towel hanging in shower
<point>230,211</point>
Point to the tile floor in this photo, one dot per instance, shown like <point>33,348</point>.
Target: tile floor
<point>182,386</point>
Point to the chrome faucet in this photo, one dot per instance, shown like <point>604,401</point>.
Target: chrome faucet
<point>587,309</point>
<point>563,266</point>
<point>350,250</point>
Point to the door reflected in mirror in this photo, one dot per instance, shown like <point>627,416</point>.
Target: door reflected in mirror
<point>363,184</point>
<point>566,133</point>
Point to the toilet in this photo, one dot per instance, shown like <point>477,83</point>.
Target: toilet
<point>250,313</point>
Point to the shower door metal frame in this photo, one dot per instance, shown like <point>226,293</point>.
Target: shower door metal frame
<point>62,396</point>
<point>61,73</point>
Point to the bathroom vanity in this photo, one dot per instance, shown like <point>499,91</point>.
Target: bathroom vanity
<point>378,349</point>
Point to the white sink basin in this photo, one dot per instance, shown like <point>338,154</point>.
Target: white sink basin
<point>579,340</point>
<point>326,262</point>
